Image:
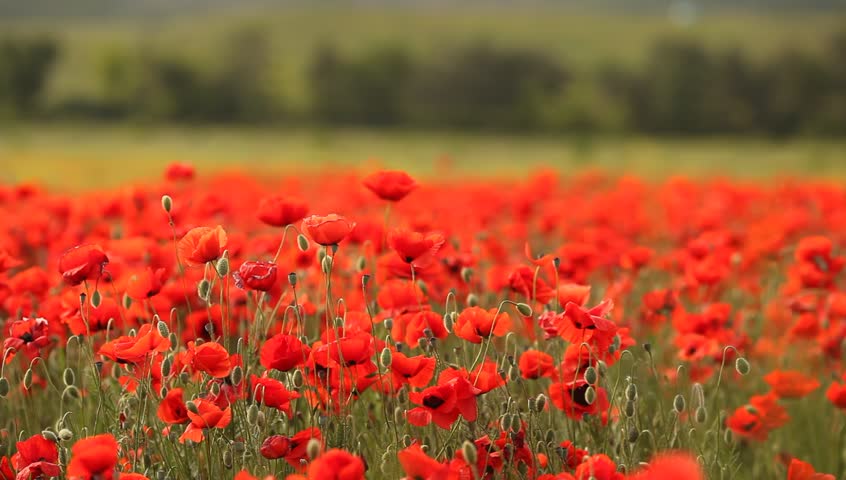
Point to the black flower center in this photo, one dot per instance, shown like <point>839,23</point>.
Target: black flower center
<point>433,402</point>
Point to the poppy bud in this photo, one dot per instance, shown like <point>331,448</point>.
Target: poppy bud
<point>302,242</point>
<point>71,392</point>
<point>385,358</point>
<point>192,407</point>
<point>167,364</point>
<point>326,264</point>
<point>252,414</point>
<point>365,279</point>
<point>360,264</point>
<point>167,203</point>
<point>163,391</point>
<point>237,375</point>
<point>388,323</point>
<point>203,289</point>
<point>49,435</point>
<point>398,415</point>
<point>701,415</point>
<point>68,377</point>
<point>590,395</point>
<point>96,299</point>
<point>173,339</point>
<point>590,375</point>
<point>631,392</point>
<point>524,309</point>
<point>679,403</point>
<point>540,401</point>
<point>448,322</point>
<point>742,366</point>
<point>615,343</point>
<point>4,387</point>
<point>423,342</point>
<point>215,389</point>
<point>647,347</point>
<point>532,404</point>
<point>313,448</point>
<point>127,301</point>
<point>222,266</point>
<point>516,422</point>
<point>163,330</point>
<point>227,459</point>
<point>27,380</point>
<point>184,377</point>
<point>472,300</point>
<point>633,434</point>
<point>466,273</point>
<point>728,436</point>
<point>65,435</point>
<point>629,409</point>
<point>505,422</point>
<point>292,279</point>
<point>469,452</point>
<point>297,379</point>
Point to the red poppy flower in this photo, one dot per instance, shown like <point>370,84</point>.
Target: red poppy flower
<point>172,409</point>
<point>417,371</point>
<point>599,467</point>
<point>415,248</point>
<point>93,458</point>
<point>411,327</point>
<point>292,449</point>
<point>524,281</point>
<point>272,393</point>
<point>336,464</point>
<point>800,470</point>
<point>81,263</point>
<point>475,324</point>
<point>443,403</point>
<point>135,349</point>
<point>390,185</point>
<point>571,455</point>
<point>146,284</point>
<point>210,357</point>
<point>259,276</point>
<point>571,398</point>
<point>791,383</point>
<point>6,472</point>
<point>418,465</point>
<point>535,364</point>
<point>758,418</point>
<point>179,172</point>
<point>27,335</point>
<point>36,457</point>
<point>670,466</point>
<point>283,353</point>
<point>349,350</point>
<point>328,230</point>
<point>208,415</point>
<point>277,211</point>
<point>202,245</point>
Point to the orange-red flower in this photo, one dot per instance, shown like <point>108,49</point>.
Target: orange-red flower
<point>208,415</point>
<point>758,418</point>
<point>535,364</point>
<point>292,449</point>
<point>283,353</point>
<point>334,464</point>
<point>390,185</point>
<point>791,383</point>
<point>475,324</point>
<point>670,466</point>
<point>202,245</point>
<point>93,458</point>
<point>278,211</point>
<point>328,230</point>
<point>146,284</point>
<point>800,470</point>
<point>172,409</point>
<point>272,393</point>
<point>444,402</point>
<point>415,248</point>
<point>81,263</point>
<point>126,349</point>
<point>210,357</point>
<point>259,276</point>
<point>36,457</point>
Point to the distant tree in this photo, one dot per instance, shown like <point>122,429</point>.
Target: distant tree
<point>25,64</point>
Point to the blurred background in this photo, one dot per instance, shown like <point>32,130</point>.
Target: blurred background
<point>96,92</point>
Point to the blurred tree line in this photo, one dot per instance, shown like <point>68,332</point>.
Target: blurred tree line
<point>683,88</point>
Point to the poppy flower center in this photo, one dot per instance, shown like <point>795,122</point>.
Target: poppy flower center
<point>433,402</point>
<point>27,337</point>
<point>578,395</point>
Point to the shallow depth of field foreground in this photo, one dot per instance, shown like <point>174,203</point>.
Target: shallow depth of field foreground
<point>352,325</point>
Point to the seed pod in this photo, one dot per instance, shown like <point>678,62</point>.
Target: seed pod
<point>313,448</point>
<point>629,409</point>
<point>215,389</point>
<point>466,274</point>
<point>222,266</point>
<point>96,299</point>
<point>423,343</point>
<point>203,289</point>
<point>292,279</point>
<point>237,375</point>
<point>631,392</point>
<point>540,401</point>
<point>524,309</point>
<point>701,415</point>
<point>163,391</point>
<point>27,380</point>
<point>4,387</point>
<point>591,376</point>
<point>167,366</point>
<point>192,407</point>
<point>365,279</point>
<point>127,301</point>
<point>742,366</point>
<point>388,323</point>
<point>532,404</point>
<point>302,242</point>
<point>386,357</point>
<point>516,423</point>
<point>633,434</point>
<point>469,452</point>
<point>167,203</point>
<point>298,379</point>
<point>679,403</point>
<point>472,300</point>
<point>590,395</point>
<point>65,435</point>
<point>260,419</point>
<point>505,422</point>
<point>68,377</point>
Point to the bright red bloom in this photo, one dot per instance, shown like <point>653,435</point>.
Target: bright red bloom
<point>259,276</point>
<point>535,364</point>
<point>411,327</point>
<point>475,324</point>
<point>28,335</point>
<point>277,211</point>
<point>671,466</point>
<point>390,185</point>
<point>146,284</point>
<point>800,470</point>
<point>415,248</point>
<point>172,409</point>
<point>210,357</point>
<point>416,371</point>
<point>81,263</point>
<point>336,464</point>
<point>328,230</point>
<point>292,449</point>
<point>283,353</point>
<point>791,383</point>
<point>272,393</point>
<point>572,399</point>
<point>600,467</point>
<point>202,245</point>
<point>36,457</point>
<point>758,418</point>
<point>93,458</point>
<point>446,401</point>
<point>208,415</point>
<point>135,349</point>
<point>352,349</point>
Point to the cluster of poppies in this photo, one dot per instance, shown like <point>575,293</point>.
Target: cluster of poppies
<point>342,327</point>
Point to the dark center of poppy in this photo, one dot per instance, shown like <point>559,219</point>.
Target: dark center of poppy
<point>27,337</point>
<point>578,395</point>
<point>409,259</point>
<point>433,402</point>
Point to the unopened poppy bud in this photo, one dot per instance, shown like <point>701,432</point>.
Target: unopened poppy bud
<point>540,401</point>
<point>615,343</point>
<point>466,274</point>
<point>173,339</point>
<point>65,435</point>
<point>184,377</point>
<point>365,279</point>
<point>252,414</point>
<point>4,387</point>
<point>472,300</point>
<point>629,409</point>
<point>505,422</point>
<point>68,377</point>
<point>631,392</point>
<point>648,347</point>
<point>633,434</point>
<point>227,459</point>
<point>167,365</point>
<point>701,415</point>
<point>469,452</point>
<point>167,203</point>
<point>292,279</point>
<point>423,342</point>
<point>742,366</point>
<point>71,392</point>
<point>590,395</point>
<point>237,375</point>
<point>532,404</point>
<point>326,264</point>
<point>313,448</point>
<point>728,436</point>
<point>679,403</point>
<point>516,422</point>
<point>27,380</point>
<point>298,379</point>
<point>386,357</point>
<point>302,242</point>
<point>448,322</point>
<point>163,391</point>
<point>360,264</point>
<point>203,289</point>
<point>222,266</point>
<point>388,323</point>
<point>127,301</point>
<point>398,415</point>
<point>163,330</point>
<point>192,407</point>
<point>524,309</point>
<point>591,376</point>
<point>96,299</point>
<point>215,389</point>
<point>49,435</point>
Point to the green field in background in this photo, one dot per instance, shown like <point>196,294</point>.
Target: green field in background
<point>79,158</point>
<point>581,38</point>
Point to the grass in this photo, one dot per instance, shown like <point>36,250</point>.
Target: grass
<point>86,157</point>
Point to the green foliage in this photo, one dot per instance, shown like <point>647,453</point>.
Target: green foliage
<point>24,67</point>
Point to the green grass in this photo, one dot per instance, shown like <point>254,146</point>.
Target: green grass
<point>583,38</point>
<point>79,157</point>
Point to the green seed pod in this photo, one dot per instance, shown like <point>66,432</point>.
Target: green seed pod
<point>472,300</point>
<point>388,323</point>
<point>505,422</point>
<point>4,387</point>
<point>227,459</point>
<point>313,448</point>
<point>590,395</point>
<point>540,401</point>
<point>163,391</point>
<point>398,415</point>
<point>65,435</point>
<point>701,415</point>
<point>629,409</point>
<point>292,279</point>
<point>591,376</point>
<point>50,435</point>
<point>423,343</point>
<point>222,266</point>
<point>365,279</point>
<point>386,357</point>
<point>96,299</point>
<point>215,389</point>
<point>163,330</point>
<point>466,274</point>
<point>203,289</point>
<point>68,377</point>
<point>524,309</point>
<point>631,392</point>
<point>167,203</point>
<point>742,366</point>
<point>192,407</point>
<point>633,434</point>
<point>27,381</point>
<point>728,436</point>
<point>469,452</point>
<point>252,414</point>
<point>237,375</point>
<point>679,403</point>
<point>302,242</point>
<point>516,423</point>
<point>532,404</point>
<point>127,301</point>
<point>260,420</point>
<point>167,366</point>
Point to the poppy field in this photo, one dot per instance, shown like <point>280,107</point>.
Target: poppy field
<point>354,324</point>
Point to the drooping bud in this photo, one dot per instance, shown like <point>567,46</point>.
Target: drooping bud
<point>227,459</point>
<point>524,309</point>
<point>448,322</point>
<point>326,264</point>
<point>203,289</point>
<point>472,300</point>
<point>302,242</point>
<point>540,401</point>
<point>192,407</point>
<point>96,299</point>
<point>631,392</point>
<point>360,264</point>
<point>65,435</point>
<point>633,434</point>
<point>466,274</point>
<point>68,377</point>
<point>591,376</point>
<point>742,366</point>
<point>386,357</point>
<point>4,387</point>
<point>297,379</point>
<point>590,395</point>
<point>313,448</point>
<point>365,279</point>
<point>252,414</point>
<point>469,452</point>
<point>163,330</point>
<point>292,279</point>
<point>167,365</point>
<point>50,435</point>
<point>222,266</point>
<point>27,380</point>
<point>679,403</point>
<point>629,409</point>
<point>701,415</point>
<point>237,375</point>
<point>167,203</point>
<point>127,301</point>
